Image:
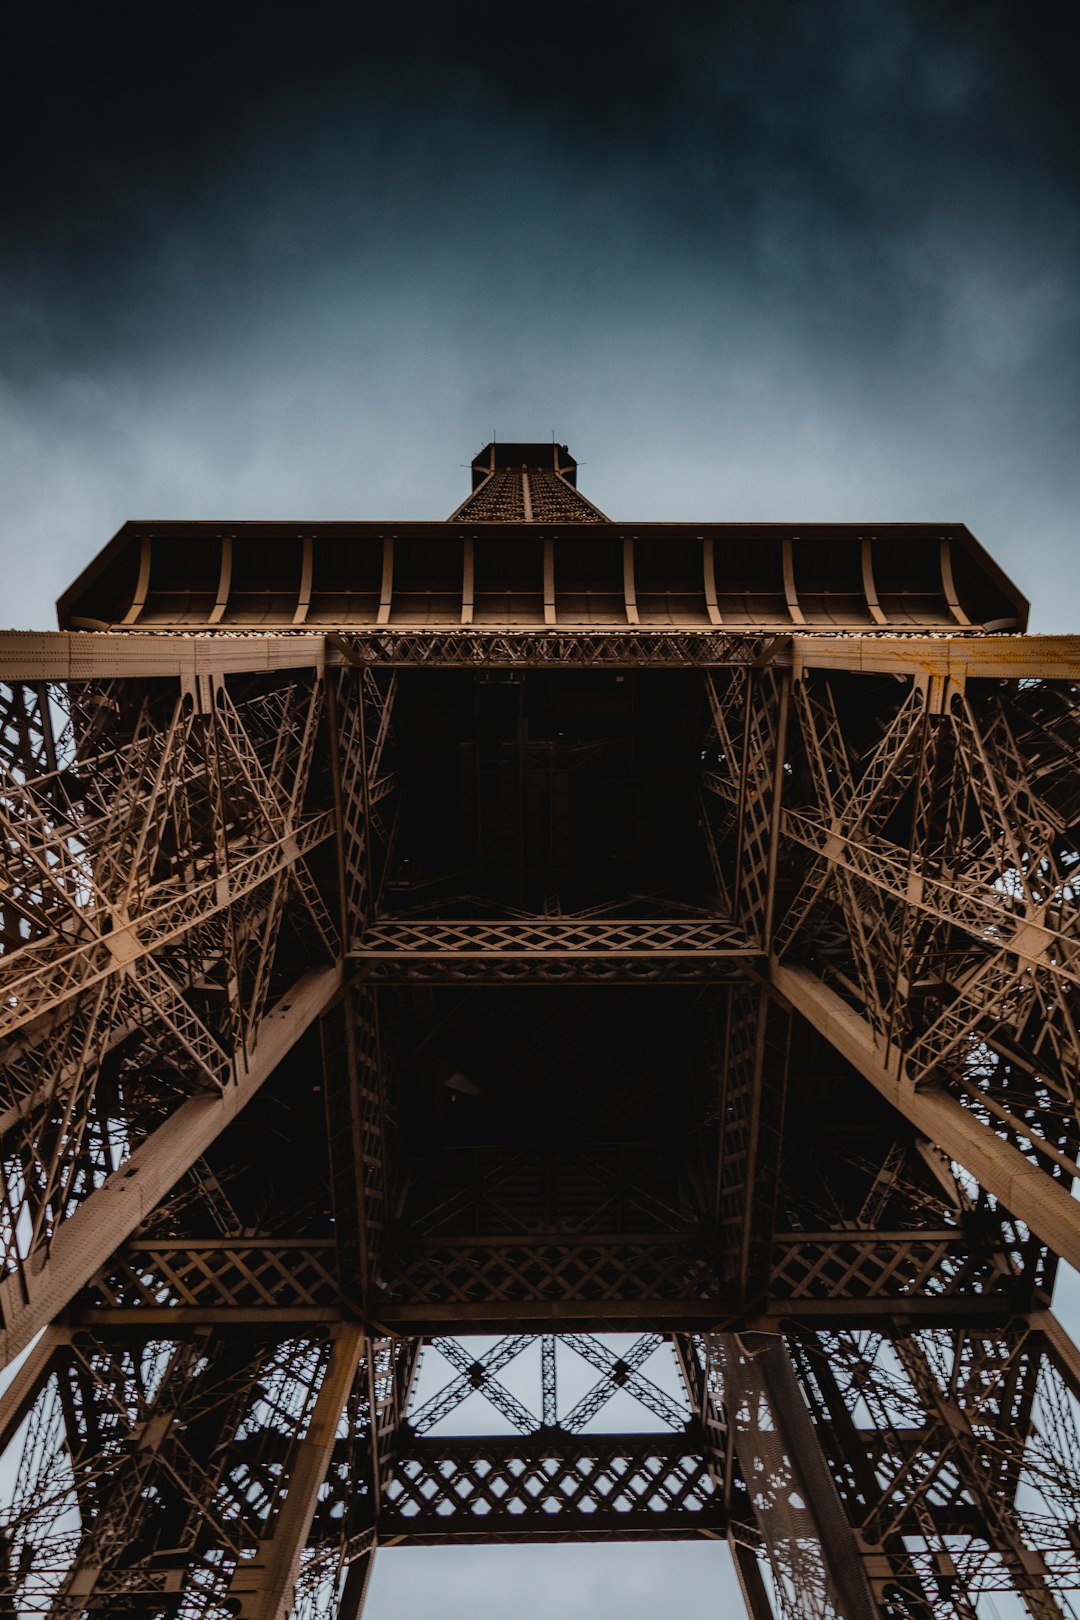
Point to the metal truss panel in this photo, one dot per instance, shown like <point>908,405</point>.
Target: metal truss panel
<point>544,950</point>
<point>609,1487</point>
<point>115,1208</point>
<point>1042,1202</point>
<point>506,648</point>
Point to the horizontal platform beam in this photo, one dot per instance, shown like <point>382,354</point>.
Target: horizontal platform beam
<point>176,1321</point>
<point>434,1287</point>
<point>548,1316</point>
<point>603,1486</point>
<point>891,1315</point>
<point>895,1316</point>
<point>613,647</point>
<point>895,1312</point>
<point>636,1525</point>
<point>75,655</point>
<point>962,657</point>
<point>401,950</point>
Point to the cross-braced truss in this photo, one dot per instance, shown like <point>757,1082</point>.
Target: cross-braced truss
<point>373,990</point>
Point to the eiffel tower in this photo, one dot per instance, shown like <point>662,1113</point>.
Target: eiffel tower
<point>554,947</point>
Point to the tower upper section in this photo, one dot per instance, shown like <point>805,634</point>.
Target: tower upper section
<point>525,549</point>
<point>526,483</point>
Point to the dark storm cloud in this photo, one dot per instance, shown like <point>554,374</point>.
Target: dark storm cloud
<point>750,261</point>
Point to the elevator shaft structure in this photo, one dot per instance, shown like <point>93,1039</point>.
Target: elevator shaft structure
<point>448,960</point>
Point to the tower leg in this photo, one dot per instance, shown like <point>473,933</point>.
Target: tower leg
<point>266,1584</point>
<point>755,1593</point>
<point>24,1388</point>
<point>355,1592</point>
<point>810,1541</point>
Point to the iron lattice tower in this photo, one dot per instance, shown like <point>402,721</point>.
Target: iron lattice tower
<point>538,927</point>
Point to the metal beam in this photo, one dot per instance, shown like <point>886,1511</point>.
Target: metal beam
<point>481,1488</point>
<point>357,1582</point>
<point>72,655</point>
<point>1062,1349</point>
<point>1043,1204</point>
<point>176,1321</point>
<point>548,1315</point>
<point>848,1583</point>
<point>508,647</point>
<point>1048,658</point>
<point>25,1386</point>
<point>537,949</point>
<point>886,1313</point>
<point>111,1213</point>
<point>265,1585</point>
<point>75,655</point>
<point>755,1594</point>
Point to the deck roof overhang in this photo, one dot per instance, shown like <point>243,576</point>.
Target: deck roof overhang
<point>339,575</point>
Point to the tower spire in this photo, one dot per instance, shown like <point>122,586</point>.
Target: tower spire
<point>526,483</point>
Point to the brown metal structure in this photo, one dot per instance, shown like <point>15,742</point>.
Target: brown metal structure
<point>544,928</point>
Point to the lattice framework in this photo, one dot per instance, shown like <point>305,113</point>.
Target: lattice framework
<point>837,1206</point>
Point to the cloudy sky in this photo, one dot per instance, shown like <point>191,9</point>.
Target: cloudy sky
<point>816,260</point>
<point>760,261</point>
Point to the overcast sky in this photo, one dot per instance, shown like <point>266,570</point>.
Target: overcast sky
<point>767,261</point>
<point>811,261</point>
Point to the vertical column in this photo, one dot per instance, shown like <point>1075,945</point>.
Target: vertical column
<point>742,783</point>
<point>357,1582</point>
<point>354,1095</point>
<point>265,1585</point>
<point>755,1594</point>
<point>752,1087</point>
<point>365,789</point>
<point>812,1548</point>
